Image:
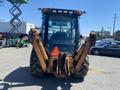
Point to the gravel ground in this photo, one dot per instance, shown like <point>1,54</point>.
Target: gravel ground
<point>103,74</point>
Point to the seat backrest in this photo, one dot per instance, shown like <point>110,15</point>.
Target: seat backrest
<point>59,36</point>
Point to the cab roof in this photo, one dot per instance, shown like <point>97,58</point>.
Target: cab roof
<point>61,11</point>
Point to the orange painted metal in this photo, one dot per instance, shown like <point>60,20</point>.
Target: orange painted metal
<point>55,52</point>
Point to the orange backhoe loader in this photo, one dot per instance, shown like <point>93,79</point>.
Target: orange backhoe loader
<point>56,49</point>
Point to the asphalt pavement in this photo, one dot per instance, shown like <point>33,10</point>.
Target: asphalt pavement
<point>104,73</point>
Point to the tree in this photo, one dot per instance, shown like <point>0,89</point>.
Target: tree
<point>117,35</point>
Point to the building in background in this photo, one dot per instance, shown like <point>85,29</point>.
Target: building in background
<point>117,35</point>
<point>5,27</point>
<point>103,34</point>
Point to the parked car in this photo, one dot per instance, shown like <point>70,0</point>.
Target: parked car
<point>103,41</point>
<point>109,49</point>
<point>117,42</point>
<point>106,41</point>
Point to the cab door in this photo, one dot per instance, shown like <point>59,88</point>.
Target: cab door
<point>112,50</point>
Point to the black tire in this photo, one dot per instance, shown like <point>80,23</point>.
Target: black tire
<point>84,69</point>
<point>96,52</point>
<point>35,67</point>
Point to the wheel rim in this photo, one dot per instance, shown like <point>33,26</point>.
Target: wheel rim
<point>96,52</point>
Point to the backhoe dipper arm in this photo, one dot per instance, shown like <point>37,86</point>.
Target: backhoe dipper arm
<point>39,49</point>
<point>82,52</point>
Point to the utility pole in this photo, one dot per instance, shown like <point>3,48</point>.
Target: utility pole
<point>110,30</point>
<point>114,24</point>
<point>102,31</point>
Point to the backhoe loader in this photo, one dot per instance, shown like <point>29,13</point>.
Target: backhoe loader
<point>56,49</point>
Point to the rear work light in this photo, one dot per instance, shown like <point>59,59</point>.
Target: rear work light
<point>54,11</point>
<point>70,12</point>
<point>60,11</point>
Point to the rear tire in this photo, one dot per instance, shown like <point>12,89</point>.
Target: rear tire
<point>35,67</point>
<point>84,69</point>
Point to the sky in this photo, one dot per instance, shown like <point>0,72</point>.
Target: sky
<point>99,13</point>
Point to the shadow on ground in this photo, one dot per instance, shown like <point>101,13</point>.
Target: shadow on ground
<point>21,77</point>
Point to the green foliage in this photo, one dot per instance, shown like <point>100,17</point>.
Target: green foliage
<point>102,34</point>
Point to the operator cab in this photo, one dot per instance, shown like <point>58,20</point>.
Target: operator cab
<point>60,29</point>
